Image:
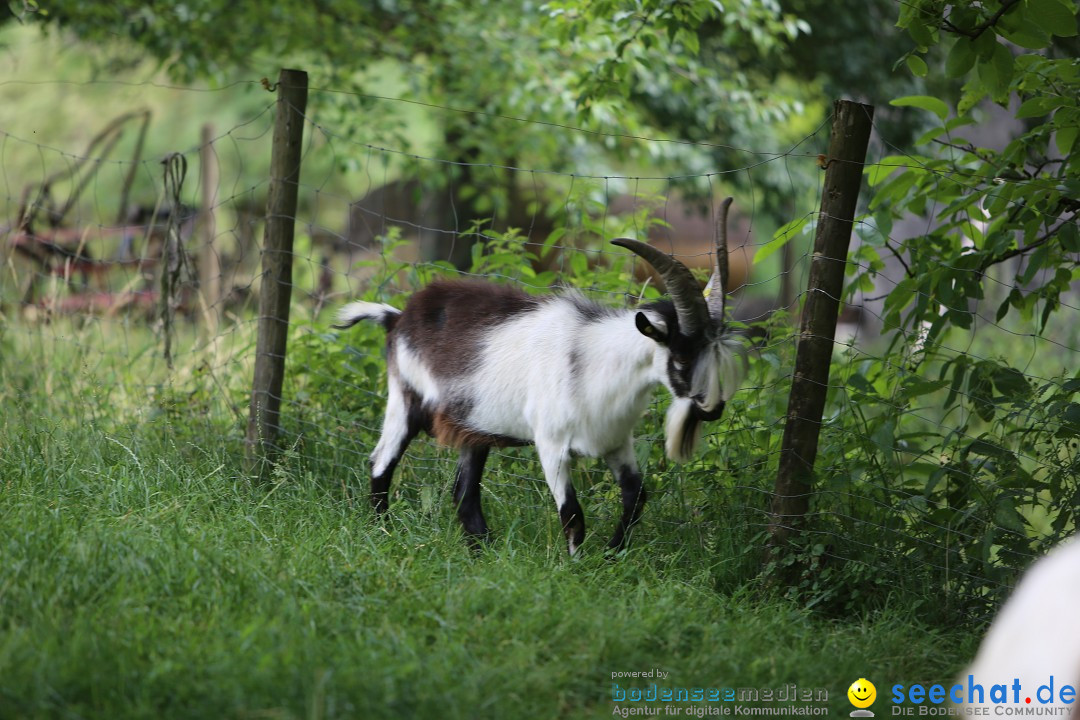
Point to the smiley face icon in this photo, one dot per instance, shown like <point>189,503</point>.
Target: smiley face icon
<point>862,694</point>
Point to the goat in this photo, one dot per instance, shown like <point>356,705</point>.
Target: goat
<point>1034,641</point>
<point>478,365</point>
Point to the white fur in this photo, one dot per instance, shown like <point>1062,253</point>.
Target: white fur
<point>706,380</point>
<point>1036,634</point>
<point>395,427</point>
<point>356,311</point>
<point>732,359</point>
<point>415,373</point>
<point>555,459</point>
<point>674,422</point>
<point>527,387</point>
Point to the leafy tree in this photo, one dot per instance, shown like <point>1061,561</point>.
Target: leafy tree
<point>1019,201</point>
<point>1002,232</point>
<point>673,69</point>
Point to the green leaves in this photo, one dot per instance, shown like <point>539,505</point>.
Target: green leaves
<point>1065,139</point>
<point>996,72</point>
<point>898,299</point>
<point>1069,237</point>
<point>917,65</point>
<point>1055,17</point>
<point>1026,34</point>
<point>1011,383</point>
<point>882,169</point>
<point>988,205</point>
<point>924,102</point>
<point>781,238</point>
<point>961,58</point>
<point>1038,106</point>
<point>1007,516</point>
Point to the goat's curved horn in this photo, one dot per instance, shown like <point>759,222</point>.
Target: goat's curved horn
<point>718,283</point>
<point>690,306</point>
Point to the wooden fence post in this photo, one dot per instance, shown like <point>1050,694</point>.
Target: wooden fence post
<point>275,289</point>
<point>209,259</point>
<point>850,138</point>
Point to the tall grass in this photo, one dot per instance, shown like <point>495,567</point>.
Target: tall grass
<point>143,574</point>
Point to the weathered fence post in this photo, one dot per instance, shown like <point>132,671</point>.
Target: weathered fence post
<point>209,260</point>
<point>275,288</point>
<point>810,383</point>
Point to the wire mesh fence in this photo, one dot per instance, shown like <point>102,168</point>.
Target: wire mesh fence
<point>943,473</point>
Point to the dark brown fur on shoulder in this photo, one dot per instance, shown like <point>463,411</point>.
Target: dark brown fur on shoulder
<point>446,320</point>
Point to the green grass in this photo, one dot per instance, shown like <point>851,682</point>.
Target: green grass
<point>144,574</point>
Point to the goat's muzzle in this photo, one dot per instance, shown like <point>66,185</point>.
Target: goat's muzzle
<point>708,415</point>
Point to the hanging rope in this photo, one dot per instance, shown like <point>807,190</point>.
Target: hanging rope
<point>173,257</point>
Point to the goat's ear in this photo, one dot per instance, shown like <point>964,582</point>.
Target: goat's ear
<point>655,329</point>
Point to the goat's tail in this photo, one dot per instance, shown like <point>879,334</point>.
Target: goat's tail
<point>354,312</point>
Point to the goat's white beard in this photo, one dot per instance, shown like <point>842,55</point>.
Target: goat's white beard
<point>681,430</point>
<point>730,356</point>
<point>718,372</point>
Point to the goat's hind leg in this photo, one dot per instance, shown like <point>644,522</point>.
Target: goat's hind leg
<point>467,493</point>
<point>623,464</point>
<point>401,423</point>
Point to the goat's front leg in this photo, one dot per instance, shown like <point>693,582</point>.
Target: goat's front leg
<point>555,459</point>
<point>623,464</point>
